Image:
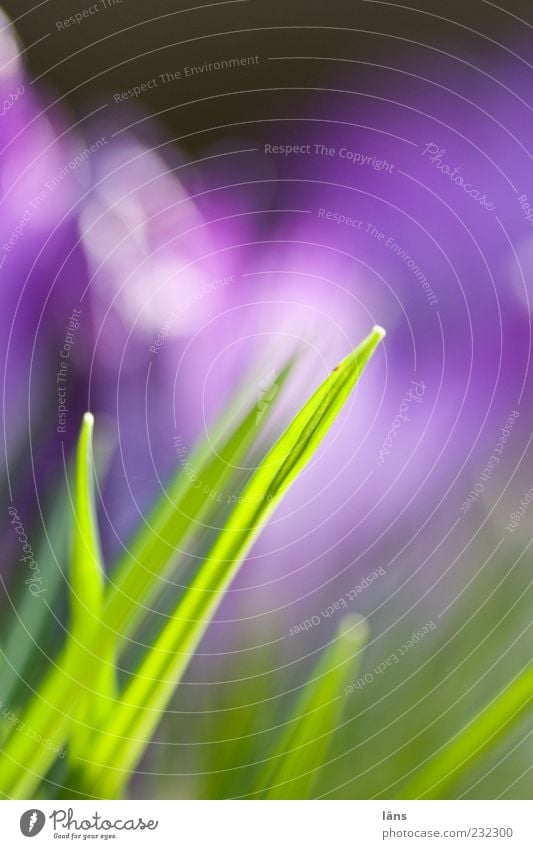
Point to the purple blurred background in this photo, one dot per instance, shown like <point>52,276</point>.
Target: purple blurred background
<point>153,257</point>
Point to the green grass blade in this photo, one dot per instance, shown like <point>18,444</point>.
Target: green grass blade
<point>55,712</point>
<point>133,722</point>
<point>86,601</point>
<point>22,764</point>
<point>294,765</point>
<point>176,517</point>
<point>86,576</point>
<point>27,630</point>
<point>435,779</point>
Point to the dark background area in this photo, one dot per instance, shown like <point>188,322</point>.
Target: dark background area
<point>131,42</point>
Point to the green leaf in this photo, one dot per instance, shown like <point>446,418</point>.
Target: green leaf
<point>86,603</point>
<point>435,779</point>
<point>180,512</point>
<point>134,585</point>
<point>64,703</point>
<point>294,765</point>
<point>133,722</point>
